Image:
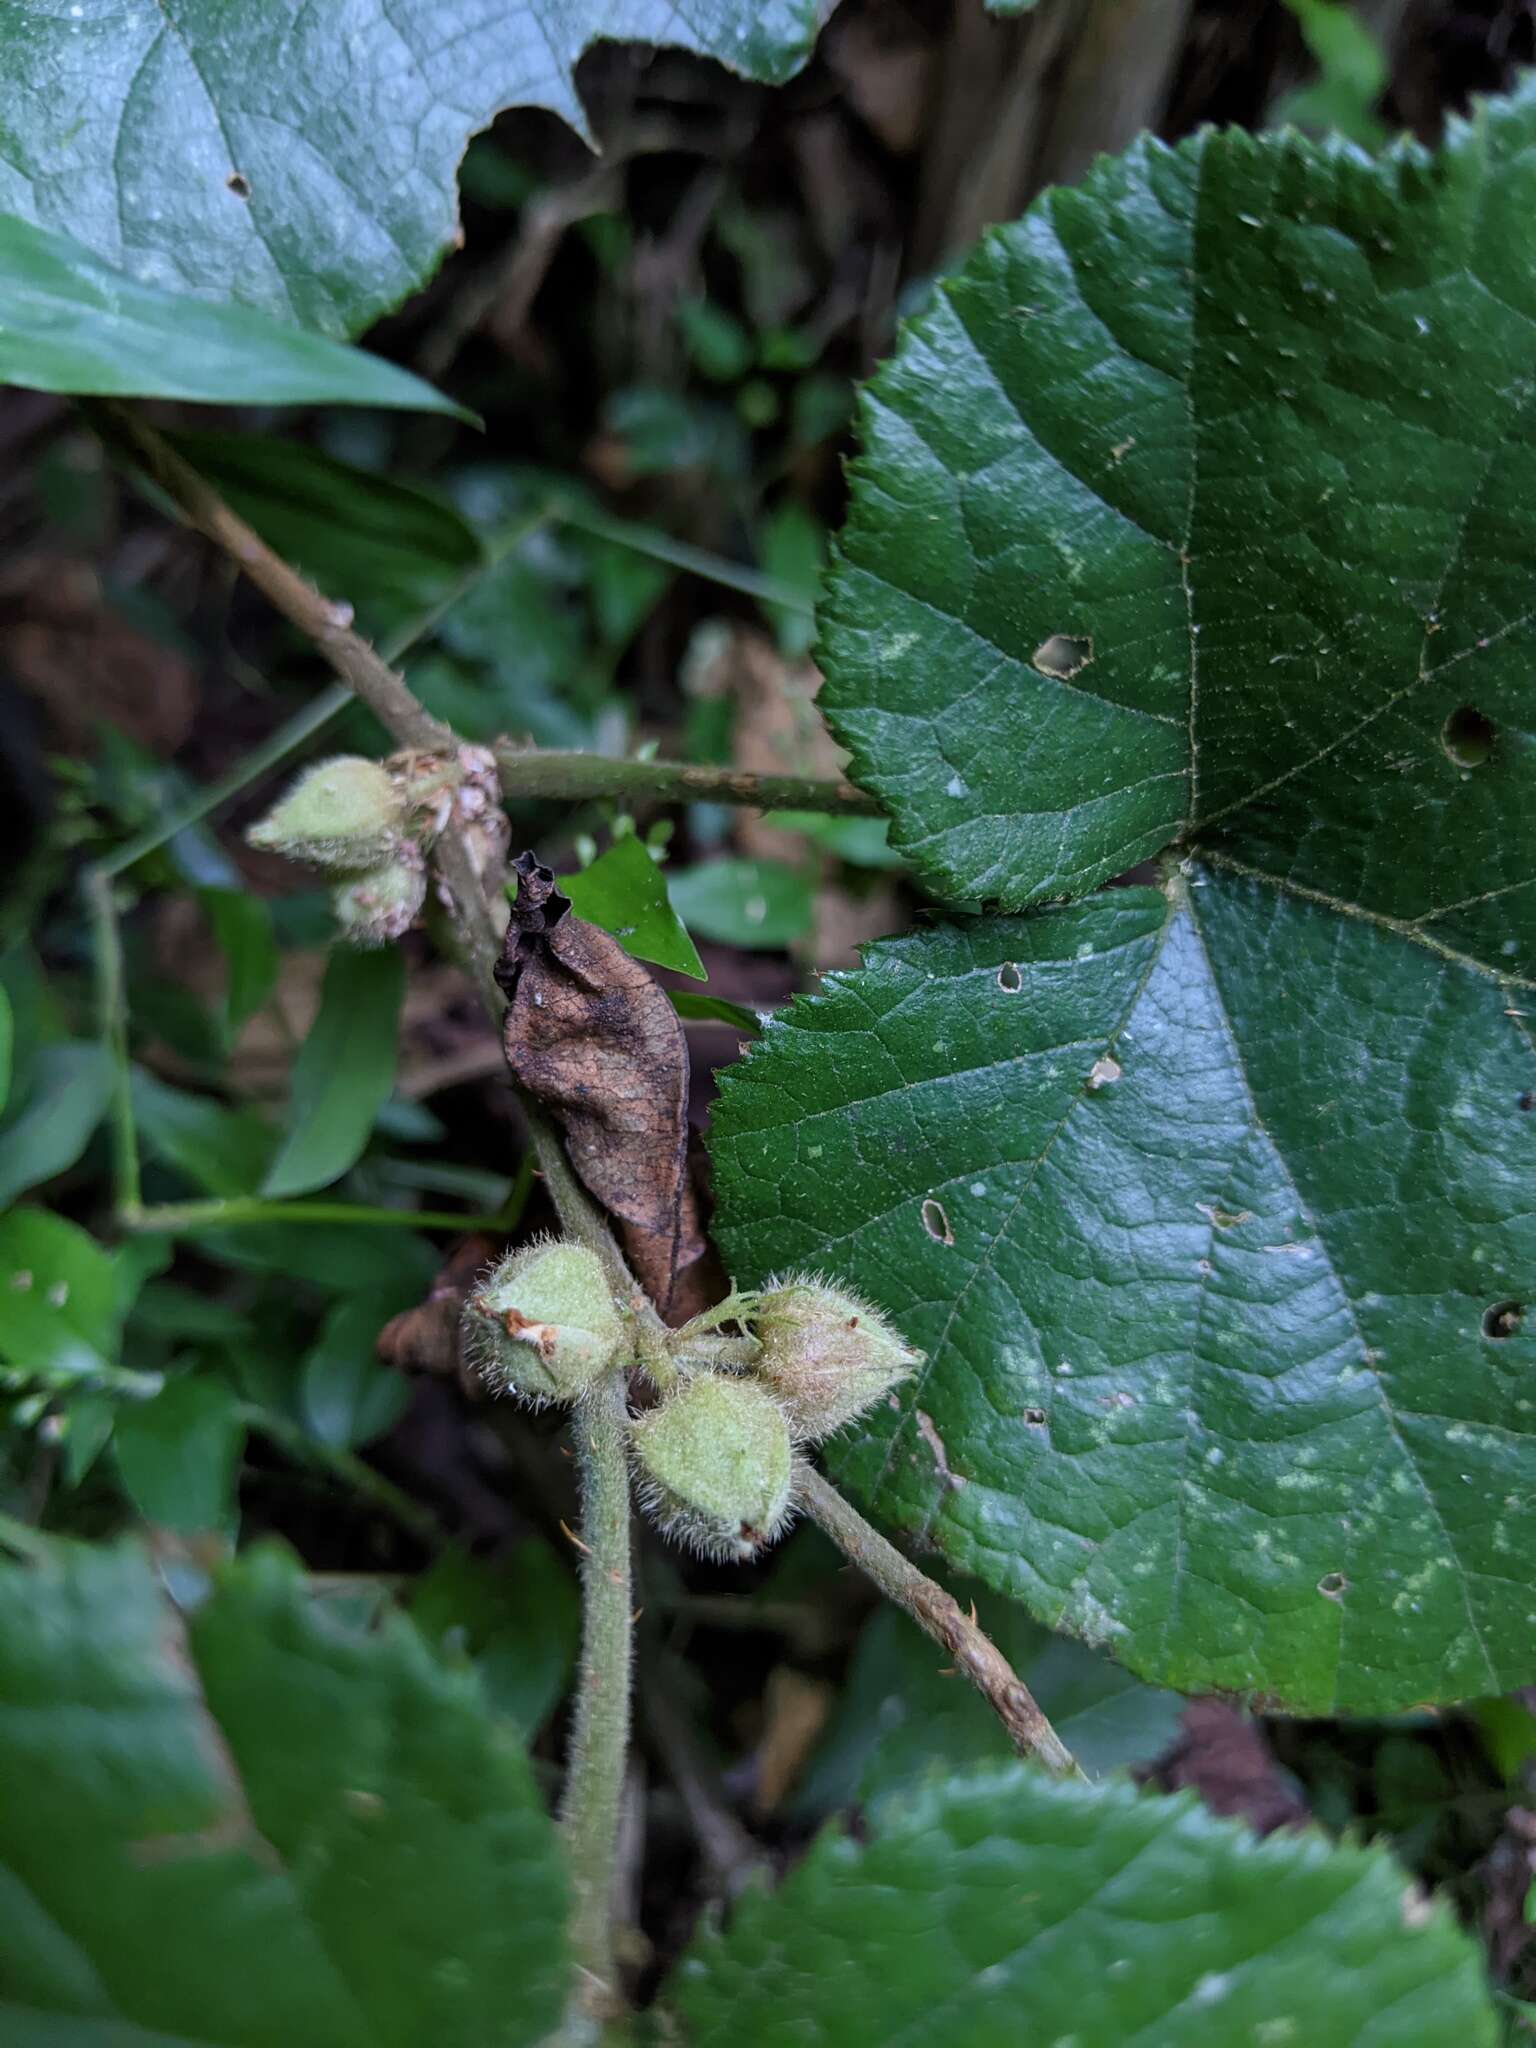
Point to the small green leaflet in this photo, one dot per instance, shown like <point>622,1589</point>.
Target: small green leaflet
<point>242,925</point>
<point>180,1453</point>
<point>1002,1907</point>
<point>759,904</point>
<point>344,1071</point>
<point>699,1009</point>
<point>62,1301</point>
<point>72,323</point>
<point>68,1088</point>
<point>623,891</point>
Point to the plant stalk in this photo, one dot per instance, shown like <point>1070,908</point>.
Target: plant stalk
<point>228,1212</point>
<point>940,1615</point>
<point>594,1785</point>
<point>533,772</point>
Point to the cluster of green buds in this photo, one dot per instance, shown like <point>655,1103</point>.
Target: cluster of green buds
<point>370,824</point>
<point>714,1453</point>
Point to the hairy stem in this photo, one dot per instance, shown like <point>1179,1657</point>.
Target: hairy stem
<point>976,1656</point>
<point>594,1781</point>
<point>594,1785</point>
<point>531,772</point>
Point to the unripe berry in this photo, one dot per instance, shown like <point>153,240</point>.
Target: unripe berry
<point>383,903</point>
<point>826,1355</point>
<point>344,814</point>
<point>543,1324</point>
<point>713,1463</point>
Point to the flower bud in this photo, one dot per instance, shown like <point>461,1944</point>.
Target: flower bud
<point>543,1324</point>
<point>344,814</point>
<point>382,903</point>
<point>826,1355</point>
<point>714,1465</point>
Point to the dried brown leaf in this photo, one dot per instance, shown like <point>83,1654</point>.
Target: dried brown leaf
<point>590,1036</point>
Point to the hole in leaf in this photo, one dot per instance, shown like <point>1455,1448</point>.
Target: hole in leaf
<point>936,1223</point>
<point>1468,737</point>
<point>1503,1319</point>
<point>1527,1101</point>
<point>1062,656</point>
<point>1009,979</point>
<point>239,184</point>
<point>1333,1585</point>
<point>1035,1417</point>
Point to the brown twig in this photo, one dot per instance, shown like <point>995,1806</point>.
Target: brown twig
<point>327,622</point>
<point>941,1616</point>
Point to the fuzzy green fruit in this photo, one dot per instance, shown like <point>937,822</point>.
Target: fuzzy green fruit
<point>542,1324</point>
<point>345,815</point>
<point>713,1462</point>
<point>827,1356</point>
<point>383,903</point>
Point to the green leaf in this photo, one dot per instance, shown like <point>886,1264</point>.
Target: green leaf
<point>222,1150</point>
<point>7,1034</point>
<point>264,155</point>
<point>1006,1908</point>
<point>624,892</point>
<point>74,323</point>
<point>68,1089</point>
<point>180,1453</point>
<point>392,551</point>
<point>1213,1215</point>
<point>902,1716</point>
<point>700,1009</point>
<point>344,1071</point>
<point>263,1831</point>
<point>758,904</point>
<point>331,1256</point>
<point>862,842</point>
<point>242,926</point>
<point>1199,508</point>
<point>61,1304</point>
<point>792,549</point>
<point>348,1396</point>
<point>1354,73</point>
<point>517,1621</point>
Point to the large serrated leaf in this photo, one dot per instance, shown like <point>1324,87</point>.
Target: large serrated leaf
<point>1004,1908</point>
<point>298,159</point>
<point>1200,508</point>
<point>262,1833</point>
<point>1213,1213</point>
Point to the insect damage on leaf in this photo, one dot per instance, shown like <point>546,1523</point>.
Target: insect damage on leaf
<point>591,1036</point>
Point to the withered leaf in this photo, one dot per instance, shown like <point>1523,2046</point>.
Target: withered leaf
<point>591,1036</point>
<point>425,1339</point>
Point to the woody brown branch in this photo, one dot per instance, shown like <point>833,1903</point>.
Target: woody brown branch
<point>939,1615</point>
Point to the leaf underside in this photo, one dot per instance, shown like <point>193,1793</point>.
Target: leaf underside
<point>298,159</point>
<point>1006,1908</point>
